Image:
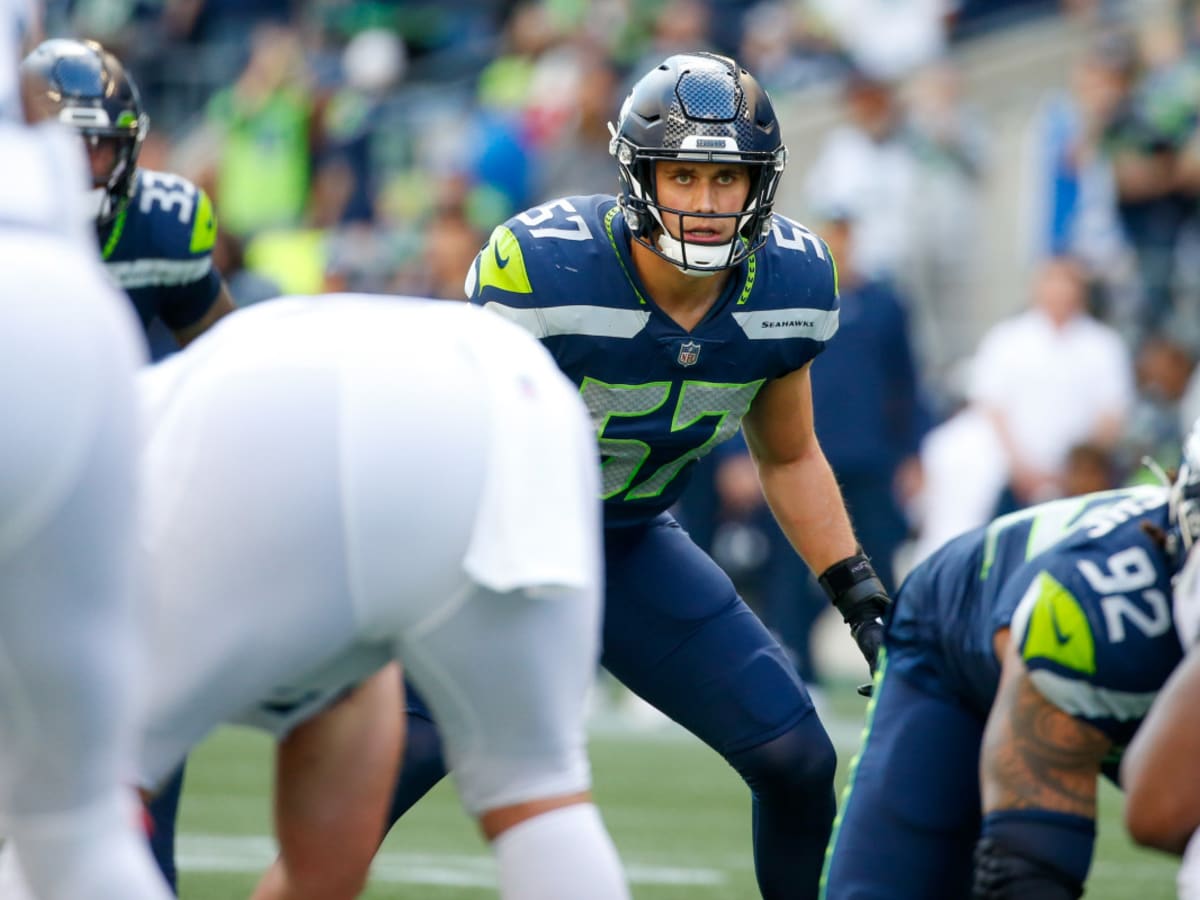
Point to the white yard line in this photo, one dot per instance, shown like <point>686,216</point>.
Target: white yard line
<point>252,853</point>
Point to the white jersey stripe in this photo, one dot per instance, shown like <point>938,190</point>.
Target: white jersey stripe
<point>140,273</point>
<point>595,321</point>
<point>781,324</point>
<point>1080,698</point>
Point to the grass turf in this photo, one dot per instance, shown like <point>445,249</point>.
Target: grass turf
<point>679,815</point>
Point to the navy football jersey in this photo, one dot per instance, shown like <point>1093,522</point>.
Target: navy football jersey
<point>660,397</point>
<point>158,250</point>
<point>1087,593</point>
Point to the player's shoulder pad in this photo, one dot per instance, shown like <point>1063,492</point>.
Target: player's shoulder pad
<point>1067,613</point>
<point>1052,625</point>
<point>794,268</point>
<point>1095,628</point>
<point>179,216</point>
<point>555,243</point>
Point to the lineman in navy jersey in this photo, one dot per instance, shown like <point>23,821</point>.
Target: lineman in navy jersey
<point>156,230</point>
<point>683,309</point>
<point>158,249</point>
<point>1019,660</point>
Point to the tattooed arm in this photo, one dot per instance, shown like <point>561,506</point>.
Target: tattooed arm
<point>1038,773</point>
<point>1035,756</point>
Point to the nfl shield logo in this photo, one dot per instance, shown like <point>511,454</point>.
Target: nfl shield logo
<point>689,353</point>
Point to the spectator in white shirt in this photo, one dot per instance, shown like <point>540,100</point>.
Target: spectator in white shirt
<point>1042,382</point>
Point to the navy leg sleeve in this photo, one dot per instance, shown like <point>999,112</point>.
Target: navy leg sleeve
<point>164,810</point>
<point>791,783</point>
<point>910,815</point>
<point>423,765</point>
<point>677,634</point>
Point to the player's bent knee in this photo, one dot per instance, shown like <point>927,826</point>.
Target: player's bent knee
<point>800,761</point>
<point>494,822</point>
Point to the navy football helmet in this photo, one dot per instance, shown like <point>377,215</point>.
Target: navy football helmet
<point>705,108</point>
<point>85,87</point>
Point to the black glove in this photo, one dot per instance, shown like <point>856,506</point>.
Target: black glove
<point>860,597</point>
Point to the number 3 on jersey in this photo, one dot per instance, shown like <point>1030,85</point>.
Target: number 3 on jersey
<point>625,457</point>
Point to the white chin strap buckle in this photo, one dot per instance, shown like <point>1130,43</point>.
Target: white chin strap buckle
<point>96,202</point>
<point>702,262</point>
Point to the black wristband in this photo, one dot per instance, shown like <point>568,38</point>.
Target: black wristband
<point>844,575</point>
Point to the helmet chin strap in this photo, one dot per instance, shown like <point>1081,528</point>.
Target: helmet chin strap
<point>702,261</point>
<point>96,203</point>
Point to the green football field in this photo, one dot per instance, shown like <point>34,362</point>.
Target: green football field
<point>679,815</point>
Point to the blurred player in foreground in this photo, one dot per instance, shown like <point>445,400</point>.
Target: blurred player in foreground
<point>682,309</point>
<point>333,483</point>
<point>69,655</point>
<point>1019,661</point>
<point>1159,771</point>
<point>155,231</point>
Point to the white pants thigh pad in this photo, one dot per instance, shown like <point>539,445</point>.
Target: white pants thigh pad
<point>68,350</point>
<point>331,481</point>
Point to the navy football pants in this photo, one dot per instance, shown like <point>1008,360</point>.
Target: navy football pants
<point>911,811</point>
<point>677,634</point>
<point>164,812</point>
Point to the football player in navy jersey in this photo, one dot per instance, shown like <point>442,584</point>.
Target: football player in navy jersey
<point>156,230</point>
<point>1020,658</point>
<point>683,308</point>
<point>156,233</point>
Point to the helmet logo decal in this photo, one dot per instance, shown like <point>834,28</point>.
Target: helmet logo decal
<point>708,143</point>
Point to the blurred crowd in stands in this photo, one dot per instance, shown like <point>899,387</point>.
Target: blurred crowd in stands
<point>372,146</point>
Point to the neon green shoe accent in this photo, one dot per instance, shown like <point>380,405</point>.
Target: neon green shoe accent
<point>204,226</point>
<point>502,265</point>
<point>1058,629</point>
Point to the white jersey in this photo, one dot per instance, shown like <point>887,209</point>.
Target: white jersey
<point>1187,880</point>
<point>19,22</point>
<point>334,482</point>
<point>44,181</point>
<point>69,347</point>
<point>1185,599</point>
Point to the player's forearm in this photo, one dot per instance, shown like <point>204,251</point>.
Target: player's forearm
<point>804,496</point>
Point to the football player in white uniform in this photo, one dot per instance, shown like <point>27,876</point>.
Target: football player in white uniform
<point>333,483</point>
<point>69,653</point>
